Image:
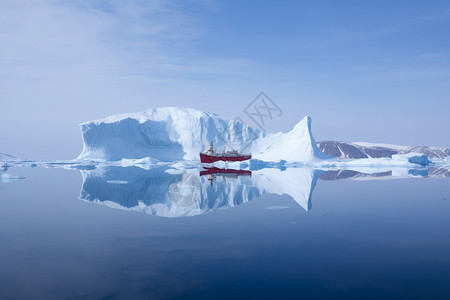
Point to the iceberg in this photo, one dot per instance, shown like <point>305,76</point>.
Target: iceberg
<point>170,134</point>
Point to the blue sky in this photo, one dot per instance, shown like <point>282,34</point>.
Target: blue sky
<point>376,72</point>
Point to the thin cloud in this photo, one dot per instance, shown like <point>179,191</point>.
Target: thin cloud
<point>105,38</point>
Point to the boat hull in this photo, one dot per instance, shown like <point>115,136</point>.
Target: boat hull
<point>205,158</point>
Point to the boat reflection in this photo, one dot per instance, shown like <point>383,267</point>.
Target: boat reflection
<point>212,173</point>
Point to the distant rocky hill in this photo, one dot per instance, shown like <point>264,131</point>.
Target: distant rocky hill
<point>368,150</point>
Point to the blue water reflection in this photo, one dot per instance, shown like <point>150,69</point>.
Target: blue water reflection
<point>170,192</point>
<point>253,236</point>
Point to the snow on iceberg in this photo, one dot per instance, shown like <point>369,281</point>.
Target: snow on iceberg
<point>170,133</point>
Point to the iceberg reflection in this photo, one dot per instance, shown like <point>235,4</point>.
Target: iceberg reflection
<point>160,192</point>
<point>169,192</point>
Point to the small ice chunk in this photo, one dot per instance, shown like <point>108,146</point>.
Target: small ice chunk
<point>117,181</point>
<point>414,158</point>
<point>6,177</point>
<point>275,207</point>
<point>175,171</point>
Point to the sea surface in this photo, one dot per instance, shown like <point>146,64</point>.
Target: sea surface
<point>131,233</point>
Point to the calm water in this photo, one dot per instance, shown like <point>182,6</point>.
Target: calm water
<point>112,233</point>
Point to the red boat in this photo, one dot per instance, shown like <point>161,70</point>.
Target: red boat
<point>212,156</point>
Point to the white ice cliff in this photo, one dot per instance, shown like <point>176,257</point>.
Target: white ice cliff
<point>295,145</point>
<point>170,133</point>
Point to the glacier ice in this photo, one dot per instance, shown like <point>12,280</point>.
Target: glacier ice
<point>170,133</point>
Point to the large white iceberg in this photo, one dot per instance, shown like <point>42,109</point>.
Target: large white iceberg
<point>171,133</point>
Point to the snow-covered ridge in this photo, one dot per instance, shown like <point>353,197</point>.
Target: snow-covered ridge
<point>155,114</point>
<point>171,133</point>
<point>380,145</point>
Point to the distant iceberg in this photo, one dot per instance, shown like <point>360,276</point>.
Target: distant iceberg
<point>170,133</point>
